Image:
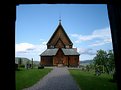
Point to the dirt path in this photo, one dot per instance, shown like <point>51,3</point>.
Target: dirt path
<point>57,79</point>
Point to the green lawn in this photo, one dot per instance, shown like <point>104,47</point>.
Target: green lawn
<point>26,78</point>
<point>88,81</point>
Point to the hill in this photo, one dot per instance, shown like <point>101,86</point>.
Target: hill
<point>86,62</point>
<point>36,62</point>
<point>25,60</point>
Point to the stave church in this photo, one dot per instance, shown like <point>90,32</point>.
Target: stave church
<point>60,51</point>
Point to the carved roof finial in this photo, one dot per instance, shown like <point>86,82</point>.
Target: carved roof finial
<point>59,21</point>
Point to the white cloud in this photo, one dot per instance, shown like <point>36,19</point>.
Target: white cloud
<point>86,51</point>
<point>23,47</point>
<point>81,38</point>
<point>101,42</point>
<point>44,43</point>
<point>30,48</point>
<point>41,39</point>
<point>97,43</point>
<point>74,35</point>
<point>104,35</point>
<point>108,40</point>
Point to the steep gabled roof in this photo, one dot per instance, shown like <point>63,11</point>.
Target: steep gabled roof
<point>49,52</point>
<point>53,52</point>
<point>59,26</point>
<point>70,52</point>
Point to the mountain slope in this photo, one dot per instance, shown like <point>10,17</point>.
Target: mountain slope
<point>86,62</point>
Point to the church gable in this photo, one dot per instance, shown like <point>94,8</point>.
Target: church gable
<point>59,44</point>
<point>59,36</point>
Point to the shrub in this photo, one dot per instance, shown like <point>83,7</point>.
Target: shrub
<point>41,67</point>
<point>22,66</point>
<point>16,66</point>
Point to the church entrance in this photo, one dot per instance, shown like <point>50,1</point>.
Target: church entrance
<point>60,62</point>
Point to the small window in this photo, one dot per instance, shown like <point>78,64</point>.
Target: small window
<point>51,46</point>
<point>67,46</point>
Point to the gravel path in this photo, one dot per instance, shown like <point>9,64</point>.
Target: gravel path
<point>58,79</point>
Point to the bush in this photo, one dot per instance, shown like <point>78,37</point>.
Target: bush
<point>22,66</point>
<point>41,67</point>
<point>16,66</point>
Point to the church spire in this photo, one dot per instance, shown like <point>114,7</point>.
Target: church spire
<point>59,21</point>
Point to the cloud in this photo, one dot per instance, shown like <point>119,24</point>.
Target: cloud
<point>41,39</point>
<point>97,43</point>
<point>104,35</point>
<point>74,35</point>
<point>44,43</point>
<point>24,47</point>
<point>22,52</point>
<point>101,42</point>
<point>30,48</point>
<point>86,51</point>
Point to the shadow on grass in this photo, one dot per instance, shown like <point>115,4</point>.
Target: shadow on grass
<point>112,80</point>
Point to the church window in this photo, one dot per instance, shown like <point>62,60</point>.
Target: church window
<point>67,46</point>
<point>51,46</point>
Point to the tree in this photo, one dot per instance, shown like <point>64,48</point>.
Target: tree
<point>19,61</point>
<point>111,61</point>
<point>87,67</point>
<point>27,64</point>
<point>32,62</point>
<point>104,60</point>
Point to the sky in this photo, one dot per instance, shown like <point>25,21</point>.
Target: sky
<point>87,25</point>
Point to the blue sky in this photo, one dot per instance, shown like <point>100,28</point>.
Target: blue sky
<point>87,25</point>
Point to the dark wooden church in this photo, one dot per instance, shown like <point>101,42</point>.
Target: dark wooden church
<point>60,51</point>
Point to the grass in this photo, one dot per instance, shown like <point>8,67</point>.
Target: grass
<point>88,81</point>
<point>26,78</point>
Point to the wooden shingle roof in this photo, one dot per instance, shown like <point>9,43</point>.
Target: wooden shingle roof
<point>52,52</point>
<point>49,52</point>
<point>70,52</point>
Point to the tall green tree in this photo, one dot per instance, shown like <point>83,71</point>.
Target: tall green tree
<point>111,60</point>
<point>101,61</point>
